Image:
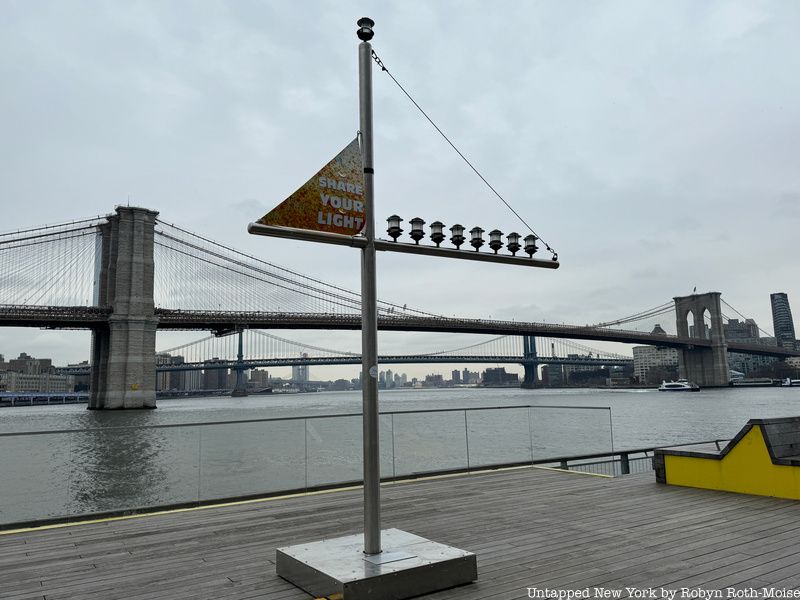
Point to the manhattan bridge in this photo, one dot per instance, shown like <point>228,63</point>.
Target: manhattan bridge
<point>126,275</point>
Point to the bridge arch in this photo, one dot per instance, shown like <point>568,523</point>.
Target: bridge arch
<point>705,318</point>
<point>689,320</point>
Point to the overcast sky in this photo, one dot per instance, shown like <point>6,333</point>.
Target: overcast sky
<point>653,144</point>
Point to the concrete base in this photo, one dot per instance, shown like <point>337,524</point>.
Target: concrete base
<point>409,566</point>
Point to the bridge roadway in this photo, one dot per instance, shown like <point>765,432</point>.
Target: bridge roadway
<point>88,317</point>
<point>256,363</point>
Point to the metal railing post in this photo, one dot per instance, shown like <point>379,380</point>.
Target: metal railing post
<point>466,436</point>
<point>624,463</point>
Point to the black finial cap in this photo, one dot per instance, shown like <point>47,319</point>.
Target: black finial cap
<point>364,32</point>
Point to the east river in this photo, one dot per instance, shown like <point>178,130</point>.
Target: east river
<point>101,468</point>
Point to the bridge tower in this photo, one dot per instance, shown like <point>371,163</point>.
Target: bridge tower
<point>529,363</point>
<point>707,367</point>
<point>240,388</point>
<point>124,350</point>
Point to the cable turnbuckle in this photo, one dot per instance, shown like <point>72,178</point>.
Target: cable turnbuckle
<point>378,61</point>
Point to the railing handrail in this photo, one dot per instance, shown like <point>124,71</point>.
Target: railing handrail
<point>292,418</point>
<point>620,452</point>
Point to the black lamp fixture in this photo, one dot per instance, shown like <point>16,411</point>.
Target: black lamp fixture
<point>457,235</point>
<point>530,245</point>
<point>495,240</point>
<point>436,233</point>
<point>477,237</point>
<point>417,233</point>
<point>394,227</point>
<point>364,31</point>
<point>513,242</point>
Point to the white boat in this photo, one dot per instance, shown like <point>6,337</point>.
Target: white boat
<point>682,385</point>
<point>790,382</point>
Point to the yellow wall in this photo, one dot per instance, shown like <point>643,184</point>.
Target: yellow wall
<point>746,469</point>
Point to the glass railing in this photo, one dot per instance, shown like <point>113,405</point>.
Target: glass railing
<point>49,475</point>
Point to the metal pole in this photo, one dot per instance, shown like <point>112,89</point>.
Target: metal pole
<point>369,318</point>
<point>240,361</point>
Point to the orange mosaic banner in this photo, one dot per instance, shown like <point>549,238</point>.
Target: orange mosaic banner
<point>332,200</point>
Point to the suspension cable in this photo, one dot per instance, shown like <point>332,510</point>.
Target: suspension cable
<point>54,226</point>
<point>239,253</point>
<point>745,318</point>
<point>645,314</point>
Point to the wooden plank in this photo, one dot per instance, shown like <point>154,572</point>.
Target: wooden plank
<point>529,527</point>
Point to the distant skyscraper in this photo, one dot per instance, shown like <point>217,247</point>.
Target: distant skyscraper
<point>782,320</point>
<point>300,372</point>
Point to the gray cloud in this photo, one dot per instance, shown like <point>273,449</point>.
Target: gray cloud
<point>653,144</point>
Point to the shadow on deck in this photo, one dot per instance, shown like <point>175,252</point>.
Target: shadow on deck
<point>529,527</point>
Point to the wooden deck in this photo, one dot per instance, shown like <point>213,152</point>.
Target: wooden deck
<point>529,527</point>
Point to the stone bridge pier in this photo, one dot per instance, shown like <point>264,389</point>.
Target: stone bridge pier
<point>530,364</point>
<point>707,367</point>
<point>124,350</point>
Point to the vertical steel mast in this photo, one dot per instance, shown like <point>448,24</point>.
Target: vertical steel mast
<point>369,318</point>
<point>337,566</point>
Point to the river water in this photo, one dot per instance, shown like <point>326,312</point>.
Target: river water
<point>101,468</point>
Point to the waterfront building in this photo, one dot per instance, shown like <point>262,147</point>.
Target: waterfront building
<point>498,376</point>
<point>553,375</point>
<point>455,376</point>
<point>469,377</point>
<point>434,380</point>
<point>569,370</point>
<point>215,379</point>
<point>782,321</point>
<point>740,330</point>
<point>162,377</point>
<point>170,380</point>
<point>652,364</point>
<point>618,376</point>
<point>28,374</point>
<point>748,363</point>
<point>177,379</point>
<point>30,365</point>
<point>13,381</point>
<point>259,378</point>
<point>193,380</point>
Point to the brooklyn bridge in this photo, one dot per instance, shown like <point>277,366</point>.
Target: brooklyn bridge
<point>125,275</point>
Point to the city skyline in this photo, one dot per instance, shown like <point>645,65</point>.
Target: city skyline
<point>648,189</point>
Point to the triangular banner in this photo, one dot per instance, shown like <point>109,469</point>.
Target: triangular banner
<point>332,200</point>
